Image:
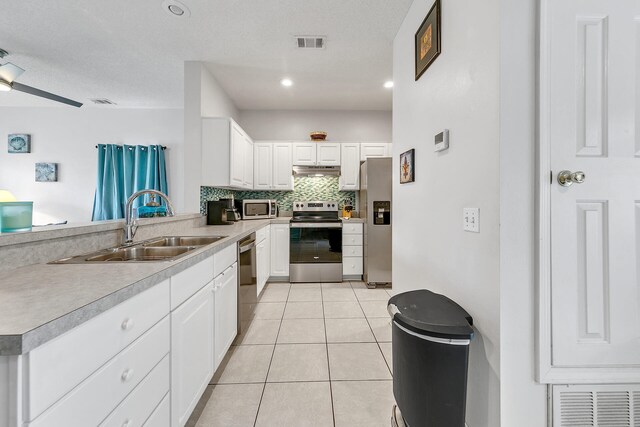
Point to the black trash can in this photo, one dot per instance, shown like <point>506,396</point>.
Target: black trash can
<point>431,337</point>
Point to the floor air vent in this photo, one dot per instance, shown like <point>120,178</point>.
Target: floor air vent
<point>102,101</point>
<point>596,405</point>
<point>311,42</point>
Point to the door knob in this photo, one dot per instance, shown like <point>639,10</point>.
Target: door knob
<point>567,178</point>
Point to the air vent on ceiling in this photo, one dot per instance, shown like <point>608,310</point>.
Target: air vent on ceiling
<point>103,101</point>
<point>311,42</point>
<point>596,405</point>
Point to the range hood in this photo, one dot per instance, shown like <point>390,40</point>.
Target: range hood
<point>316,170</point>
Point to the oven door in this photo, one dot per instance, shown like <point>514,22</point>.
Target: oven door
<point>315,253</point>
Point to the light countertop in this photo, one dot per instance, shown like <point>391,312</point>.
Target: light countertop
<point>40,302</point>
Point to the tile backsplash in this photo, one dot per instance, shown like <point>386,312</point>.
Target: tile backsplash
<point>306,188</point>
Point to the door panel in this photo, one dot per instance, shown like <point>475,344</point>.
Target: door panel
<point>282,167</point>
<point>263,166</point>
<point>236,174</point>
<point>594,50</point>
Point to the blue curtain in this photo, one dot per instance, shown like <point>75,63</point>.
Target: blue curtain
<point>123,170</point>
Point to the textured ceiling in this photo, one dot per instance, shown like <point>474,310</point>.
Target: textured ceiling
<point>132,51</point>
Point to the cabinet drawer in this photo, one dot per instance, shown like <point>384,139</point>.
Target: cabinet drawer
<point>351,228</point>
<point>141,403</point>
<point>262,234</point>
<point>90,402</point>
<point>58,366</point>
<point>161,417</point>
<point>352,240</point>
<point>351,251</point>
<point>351,265</point>
<point>223,259</point>
<point>190,281</point>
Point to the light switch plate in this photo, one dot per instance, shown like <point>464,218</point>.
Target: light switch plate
<point>471,219</point>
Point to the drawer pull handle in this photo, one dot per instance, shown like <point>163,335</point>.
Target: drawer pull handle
<point>127,423</point>
<point>126,375</point>
<point>127,324</point>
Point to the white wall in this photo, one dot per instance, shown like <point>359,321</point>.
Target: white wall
<point>459,92</point>
<point>68,136</point>
<point>297,124</point>
<point>523,401</point>
<point>203,97</point>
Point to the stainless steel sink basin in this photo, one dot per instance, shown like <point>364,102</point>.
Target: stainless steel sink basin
<point>160,249</point>
<point>184,241</point>
<point>141,253</point>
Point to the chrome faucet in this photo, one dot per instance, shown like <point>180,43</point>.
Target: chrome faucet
<point>130,227</point>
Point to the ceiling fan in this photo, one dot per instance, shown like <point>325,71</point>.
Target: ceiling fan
<point>10,72</point>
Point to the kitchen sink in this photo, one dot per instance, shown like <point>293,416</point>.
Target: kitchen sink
<point>183,241</point>
<point>159,249</point>
<point>141,253</point>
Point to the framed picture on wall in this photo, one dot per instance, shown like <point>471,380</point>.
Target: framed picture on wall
<point>408,166</point>
<point>427,40</point>
<point>19,143</point>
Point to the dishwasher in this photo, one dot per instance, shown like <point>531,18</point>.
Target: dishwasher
<point>247,283</point>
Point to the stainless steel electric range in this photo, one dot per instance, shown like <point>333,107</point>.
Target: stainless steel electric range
<point>315,253</point>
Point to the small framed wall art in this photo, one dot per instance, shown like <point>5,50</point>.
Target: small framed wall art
<point>408,166</point>
<point>427,40</point>
<point>19,143</point>
<point>46,172</point>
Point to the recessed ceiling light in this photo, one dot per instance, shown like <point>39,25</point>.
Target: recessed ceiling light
<point>176,8</point>
<point>388,84</point>
<point>4,86</point>
<point>286,82</point>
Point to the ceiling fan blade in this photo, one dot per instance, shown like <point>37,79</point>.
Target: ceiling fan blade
<point>41,93</point>
<point>10,72</point>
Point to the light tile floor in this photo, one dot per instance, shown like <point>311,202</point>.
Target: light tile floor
<point>315,355</point>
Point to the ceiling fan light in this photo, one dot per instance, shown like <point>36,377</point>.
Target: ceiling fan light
<point>5,86</point>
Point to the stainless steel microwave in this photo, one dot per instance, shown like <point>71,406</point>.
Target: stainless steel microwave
<point>257,208</point>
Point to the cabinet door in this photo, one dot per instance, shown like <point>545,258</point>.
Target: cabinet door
<point>192,332</point>
<point>328,154</point>
<point>263,265</point>
<point>226,311</point>
<point>350,167</point>
<point>248,163</point>
<point>279,250</point>
<point>304,153</point>
<point>238,143</point>
<point>282,166</point>
<point>263,166</point>
<point>374,149</point>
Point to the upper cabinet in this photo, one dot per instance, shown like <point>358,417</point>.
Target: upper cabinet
<point>350,168</point>
<point>374,149</point>
<point>227,154</point>
<point>316,154</point>
<point>272,166</point>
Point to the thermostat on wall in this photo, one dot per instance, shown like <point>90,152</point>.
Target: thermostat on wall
<point>442,140</point>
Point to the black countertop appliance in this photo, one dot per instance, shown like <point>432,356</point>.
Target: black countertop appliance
<point>222,212</point>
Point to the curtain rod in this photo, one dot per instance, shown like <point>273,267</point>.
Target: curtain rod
<point>164,147</point>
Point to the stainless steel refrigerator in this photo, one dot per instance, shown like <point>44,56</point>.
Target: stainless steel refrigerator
<point>375,208</point>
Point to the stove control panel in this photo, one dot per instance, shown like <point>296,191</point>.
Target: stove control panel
<point>315,206</point>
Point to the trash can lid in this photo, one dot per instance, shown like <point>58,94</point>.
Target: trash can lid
<point>427,313</point>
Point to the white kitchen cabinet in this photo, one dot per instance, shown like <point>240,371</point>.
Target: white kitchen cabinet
<point>226,311</point>
<point>328,154</point>
<point>279,250</point>
<point>352,253</point>
<point>304,153</point>
<point>263,258</point>
<point>350,167</point>
<point>227,154</point>
<point>273,166</point>
<point>192,353</point>
<point>247,182</point>
<point>282,166</point>
<point>374,149</point>
<point>316,154</point>
<point>263,166</point>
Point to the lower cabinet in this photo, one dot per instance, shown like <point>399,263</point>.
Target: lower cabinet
<point>226,311</point>
<point>263,259</point>
<point>192,353</point>
<point>279,250</point>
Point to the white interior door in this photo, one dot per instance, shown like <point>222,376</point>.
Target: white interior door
<point>590,105</point>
